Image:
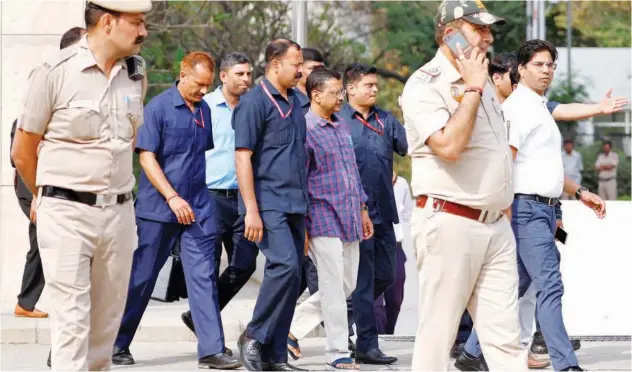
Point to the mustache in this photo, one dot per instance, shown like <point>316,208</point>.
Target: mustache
<point>299,75</point>
<point>139,40</point>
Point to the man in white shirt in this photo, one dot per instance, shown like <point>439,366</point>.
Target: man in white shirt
<point>539,180</point>
<point>388,305</point>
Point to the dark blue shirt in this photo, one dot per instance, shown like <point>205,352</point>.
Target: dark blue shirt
<point>179,138</point>
<point>374,155</point>
<point>303,99</point>
<point>278,146</point>
<point>551,105</point>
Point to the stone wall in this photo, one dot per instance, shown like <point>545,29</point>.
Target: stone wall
<point>30,30</point>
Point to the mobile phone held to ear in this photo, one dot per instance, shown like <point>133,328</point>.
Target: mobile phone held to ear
<point>457,37</point>
<point>561,235</point>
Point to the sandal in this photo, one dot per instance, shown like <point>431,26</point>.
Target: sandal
<point>293,348</point>
<point>343,363</point>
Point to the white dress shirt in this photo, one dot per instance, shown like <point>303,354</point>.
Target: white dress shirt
<point>404,203</point>
<point>538,167</point>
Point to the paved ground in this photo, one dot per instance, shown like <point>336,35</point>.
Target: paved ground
<point>181,356</point>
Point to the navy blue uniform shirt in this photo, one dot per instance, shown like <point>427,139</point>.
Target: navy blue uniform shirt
<point>374,155</point>
<point>278,146</point>
<point>179,138</point>
<point>303,99</point>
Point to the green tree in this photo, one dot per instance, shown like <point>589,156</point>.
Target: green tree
<point>562,92</point>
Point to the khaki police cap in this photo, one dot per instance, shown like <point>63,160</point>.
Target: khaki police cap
<point>472,11</point>
<point>124,6</point>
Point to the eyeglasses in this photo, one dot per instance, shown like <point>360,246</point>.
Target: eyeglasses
<point>341,92</point>
<point>549,65</point>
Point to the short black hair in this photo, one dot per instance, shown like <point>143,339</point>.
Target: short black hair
<point>529,48</point>
<point>607,142</point>
<point>514,75</point>
<point>278,48</point>
<point>568,140</point>
<point>94,12</point>
<point>502,64</point>
<point>356,71</point>
<point>70,37</point>
<point>232,59</point>
<point>311,54</point>
<point>318,78</point>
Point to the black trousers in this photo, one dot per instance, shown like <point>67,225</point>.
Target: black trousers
<point>33,277</point>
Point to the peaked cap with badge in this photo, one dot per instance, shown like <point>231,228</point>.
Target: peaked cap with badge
<point>123,6</point>
<point>472,11</point>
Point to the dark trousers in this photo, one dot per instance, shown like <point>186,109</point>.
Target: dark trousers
<point>33,277</point>
<point>309,277</point>
<point>376,272</point>
<point>242,254</point>
<point>282,245</point>
<point>465,328</point>
<point>389,304</point>
<point>533,224</point>
<point>197,245</point>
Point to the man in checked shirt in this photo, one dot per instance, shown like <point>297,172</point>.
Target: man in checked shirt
<point>337,220</point>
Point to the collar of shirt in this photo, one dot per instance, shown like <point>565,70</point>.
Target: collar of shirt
<point>350,112</point>
<point>178,100</point>
<point>302,98</point>
<point>216,98</point>
<point>313,119</point>
<point>527,93</point>
<point>448,71</point>
<point>87,59</point>
<point>291,93</point>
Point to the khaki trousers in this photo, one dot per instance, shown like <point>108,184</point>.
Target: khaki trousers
<point>337,266</point>
<point>87,259</point>
<point>608,189</point>
<point>463,264</point>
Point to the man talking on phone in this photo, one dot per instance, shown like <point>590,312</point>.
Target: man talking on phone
<point>463,184</point>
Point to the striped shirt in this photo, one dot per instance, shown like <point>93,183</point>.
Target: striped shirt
<point>333,181</point>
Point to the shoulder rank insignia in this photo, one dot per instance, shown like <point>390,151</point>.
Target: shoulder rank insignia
<point>428,73</point>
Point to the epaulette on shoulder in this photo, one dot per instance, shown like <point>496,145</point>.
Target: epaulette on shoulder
<point>57,58</point>
<point>428,72</point>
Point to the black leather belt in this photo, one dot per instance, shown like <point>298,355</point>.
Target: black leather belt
<point>232,193</point>
<point>88,198</point>
<point>606,179</point>
<point>538,198</point>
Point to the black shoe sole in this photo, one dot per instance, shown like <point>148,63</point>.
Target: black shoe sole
<point>360,361</point>
<point>463,367</point>
<point>123,363</point>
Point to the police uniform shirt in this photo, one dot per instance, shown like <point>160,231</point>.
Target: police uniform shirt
<point>87,120</point>
<point>179,138</point>
<point>482,176</point>
<point>278,146</point>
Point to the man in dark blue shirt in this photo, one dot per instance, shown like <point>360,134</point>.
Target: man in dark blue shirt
<point>270,160</point>
<point>173,204</point>
<point>312,59</point>
<point>376,134</point>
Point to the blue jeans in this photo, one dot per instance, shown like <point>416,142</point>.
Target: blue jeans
<point>533,224</point>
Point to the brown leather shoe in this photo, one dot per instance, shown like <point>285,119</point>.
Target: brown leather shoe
<point>23,313</point>
<point>535,363</point>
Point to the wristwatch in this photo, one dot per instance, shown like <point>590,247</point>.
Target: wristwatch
<point>579,192</point>
<point>364,208</point>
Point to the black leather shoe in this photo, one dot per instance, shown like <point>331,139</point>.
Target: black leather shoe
<point>250,353</point>
<point>457,349</point>
<point>281,367</point>
<point>468,362</point>
<point>187,319</point>
<point>374,356</point>
<point>48,362</point>
<point>539,347</point>
<point>574,368</point>
<point>219,361</point>
<point>122,357</point>
<point>352,348</point>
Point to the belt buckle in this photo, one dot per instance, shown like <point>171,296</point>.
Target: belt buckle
<point>105,200</point>
<point>437,204</point>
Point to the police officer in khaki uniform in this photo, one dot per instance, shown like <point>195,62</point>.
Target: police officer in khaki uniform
<point>74,150</point>
<point>606,167</point>
<point>462,182</point>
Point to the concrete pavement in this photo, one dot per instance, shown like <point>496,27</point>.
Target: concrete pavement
<point>181,356</point>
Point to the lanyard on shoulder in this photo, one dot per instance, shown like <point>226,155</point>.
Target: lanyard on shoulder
<point>284,116</point>
<point>366,123</point>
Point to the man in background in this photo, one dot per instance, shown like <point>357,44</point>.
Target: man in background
<point>573,165</point>
<point>606,167</point>
<point>33,277</point>
<point>312,59</point>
